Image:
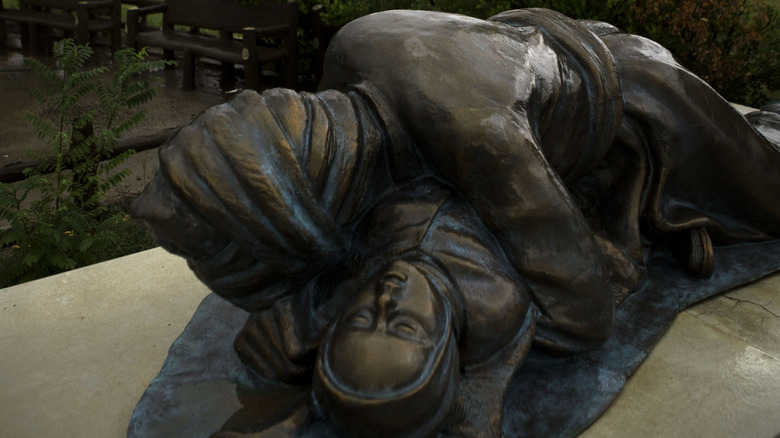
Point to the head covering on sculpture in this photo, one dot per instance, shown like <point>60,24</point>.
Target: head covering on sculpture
<point>256,189</point>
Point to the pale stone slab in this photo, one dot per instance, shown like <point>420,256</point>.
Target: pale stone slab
<point>698,381</point>
<point>78,349</point>
<point>714,374</point>
<point>566,394</point>
<point>751,313</point>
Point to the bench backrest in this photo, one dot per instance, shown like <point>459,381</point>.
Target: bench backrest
<point>228,15</point>
<point>55,4</point>
<point>66,5</point>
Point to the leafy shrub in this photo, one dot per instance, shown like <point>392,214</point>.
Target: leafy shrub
<point>731,44</point>
<point>339,12</point>
<point>60,219</point>
<point>611,11</point>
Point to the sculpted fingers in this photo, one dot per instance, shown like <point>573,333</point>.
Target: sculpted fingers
<point>261,346</point>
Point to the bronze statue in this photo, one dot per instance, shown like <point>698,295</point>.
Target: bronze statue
<point>457,190</point>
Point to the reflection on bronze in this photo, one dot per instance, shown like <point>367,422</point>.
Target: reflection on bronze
<point>458,190</point>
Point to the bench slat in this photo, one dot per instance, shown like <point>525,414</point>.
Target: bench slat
<point>206,46</point>
<point>95,16</point>
<point>228,15</point>
<point>65,22</point>
<point>277,20</point>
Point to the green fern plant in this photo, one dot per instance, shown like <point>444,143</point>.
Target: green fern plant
<point>60,219</point>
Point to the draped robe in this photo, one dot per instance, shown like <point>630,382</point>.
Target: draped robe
<point>577,152</point>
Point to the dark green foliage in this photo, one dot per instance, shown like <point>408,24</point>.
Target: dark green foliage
<point>61,219</point>
<point>731,44</point>
<point>340,12</point>
<point>478,8</point>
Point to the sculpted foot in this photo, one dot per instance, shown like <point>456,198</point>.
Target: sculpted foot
<point>693,249</point>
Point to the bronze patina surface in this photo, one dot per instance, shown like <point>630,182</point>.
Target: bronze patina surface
<point>459,191</point>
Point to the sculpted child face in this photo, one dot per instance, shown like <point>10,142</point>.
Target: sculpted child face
<point>385,337</point>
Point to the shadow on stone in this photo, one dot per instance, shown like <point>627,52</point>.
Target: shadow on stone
<point>203,387</point>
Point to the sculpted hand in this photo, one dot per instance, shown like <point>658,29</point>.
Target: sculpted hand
<point>625,273</point>
<point>265,345</point>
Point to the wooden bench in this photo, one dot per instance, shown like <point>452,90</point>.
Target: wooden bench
<point>82,18</point>
<point>140,3</point>
<point>184,22</point>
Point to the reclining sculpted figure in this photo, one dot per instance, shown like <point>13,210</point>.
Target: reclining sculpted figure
<point>458,189</point>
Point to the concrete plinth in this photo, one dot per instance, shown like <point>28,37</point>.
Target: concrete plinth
<point>77,351</point>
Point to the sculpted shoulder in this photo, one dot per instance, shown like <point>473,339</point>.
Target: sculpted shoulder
<point>430,67</point>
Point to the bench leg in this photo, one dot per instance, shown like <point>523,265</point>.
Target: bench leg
<point>188,71</point>
<point>33,39</point>
<point>291,70</point>
<point>168,55</point>
<point>82,32</point>
<point>228,77</point>
<point>251,75</point>
<point>116,39</point>
<point>24,36</point>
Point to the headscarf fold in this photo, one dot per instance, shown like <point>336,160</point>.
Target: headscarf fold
<point>576,126</point>
<point>258,190</point>
<point>437,231</point>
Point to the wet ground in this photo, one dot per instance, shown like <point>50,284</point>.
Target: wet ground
<point>171,108</point>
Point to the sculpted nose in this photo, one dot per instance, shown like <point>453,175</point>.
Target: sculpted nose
<point>386,301</point>
<point>381,318</point>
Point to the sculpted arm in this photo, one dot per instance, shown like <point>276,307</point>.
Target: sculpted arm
<point>466,101</point>
<point>526,206</point>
